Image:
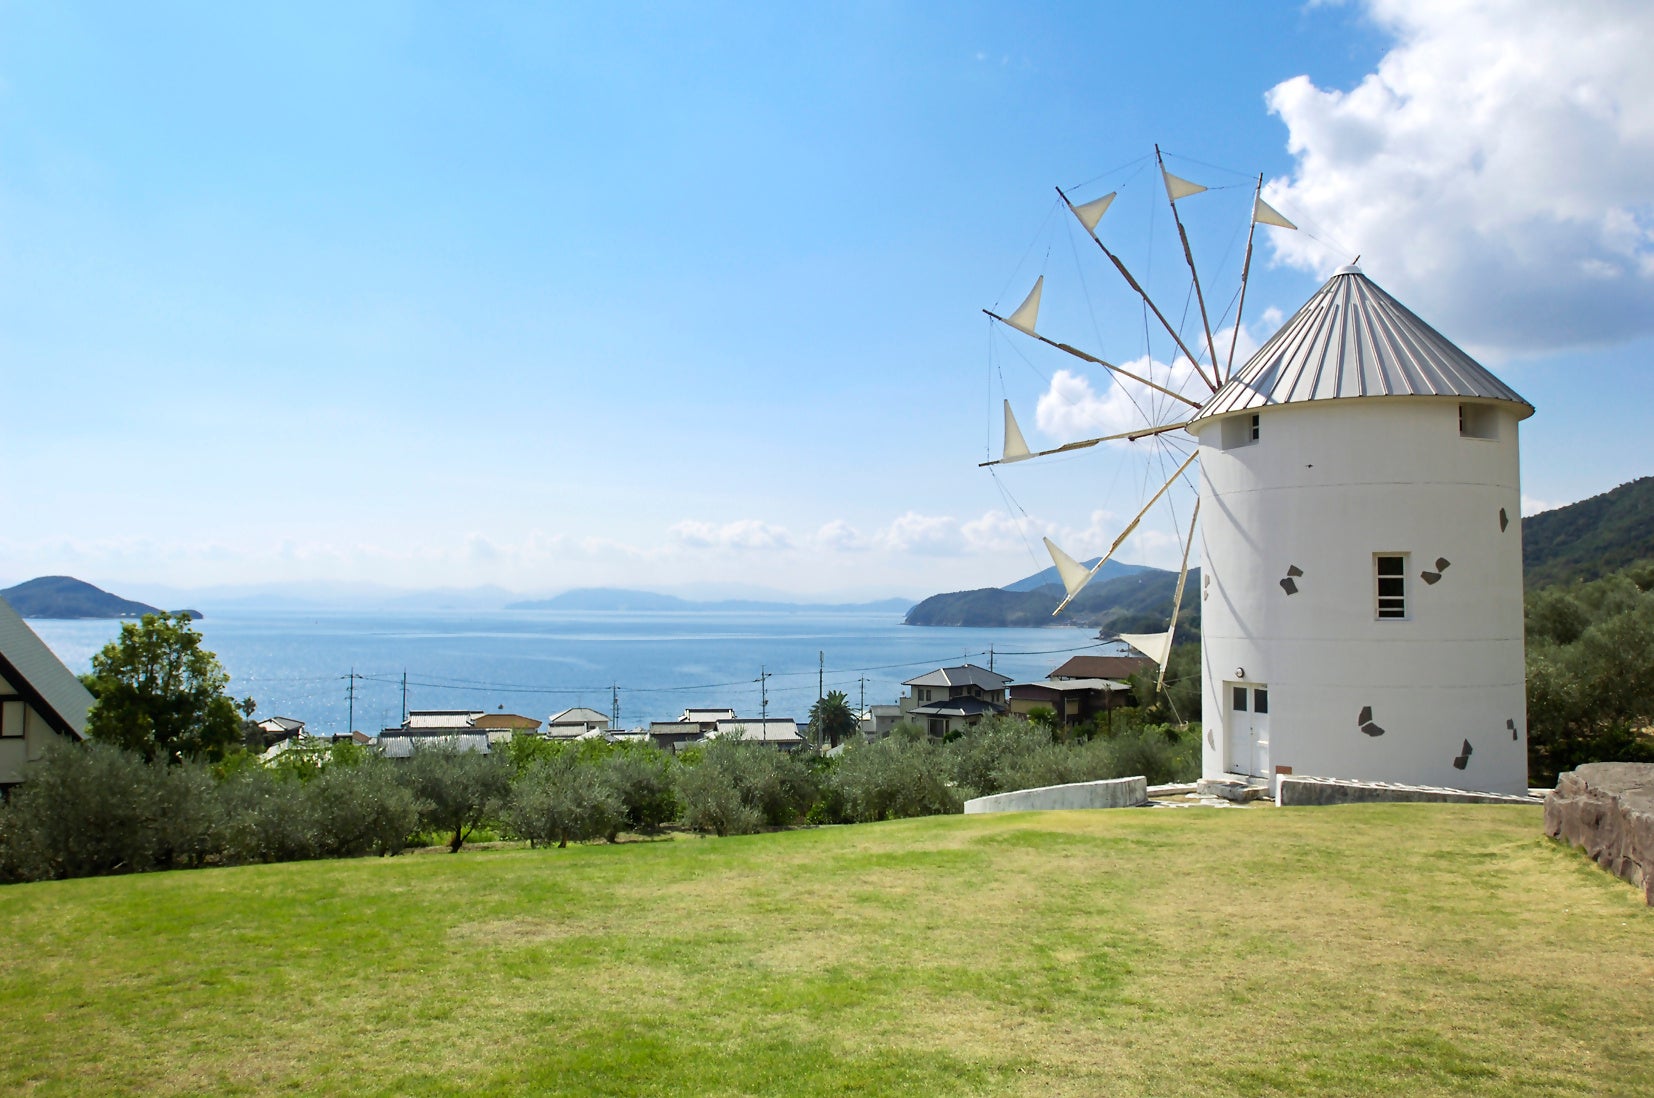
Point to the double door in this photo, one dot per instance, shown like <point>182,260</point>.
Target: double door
<point>1248,729</point>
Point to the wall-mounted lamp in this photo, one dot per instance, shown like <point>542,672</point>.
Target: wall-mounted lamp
<point>1240,672</point>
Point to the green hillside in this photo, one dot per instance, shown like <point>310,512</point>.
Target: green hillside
<point>1138,602</point>
<point>1365,949</point>
<point>67,597</point>
<point>1591,538</point>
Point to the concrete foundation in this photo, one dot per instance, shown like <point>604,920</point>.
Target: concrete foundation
<point>1112,793</point>
<point>1321,791</point>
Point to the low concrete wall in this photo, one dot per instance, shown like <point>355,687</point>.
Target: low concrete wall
<point>1320,791</point>
<point>1113,793</point>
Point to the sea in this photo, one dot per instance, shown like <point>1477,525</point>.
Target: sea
<point>337,670</point>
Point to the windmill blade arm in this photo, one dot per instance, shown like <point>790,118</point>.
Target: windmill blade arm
<point>1086,443</point>
<point>1177,596</point>
<point>1094,360</point>
<point>1126,533</point>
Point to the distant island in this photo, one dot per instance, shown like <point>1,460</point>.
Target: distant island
<point>69,598</point>
<point>620,600</point>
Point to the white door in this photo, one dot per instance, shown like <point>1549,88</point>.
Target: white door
<point>1248,729</point>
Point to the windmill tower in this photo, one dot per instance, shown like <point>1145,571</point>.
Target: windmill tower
<point>1361,610</point>
<point>1358,507</point>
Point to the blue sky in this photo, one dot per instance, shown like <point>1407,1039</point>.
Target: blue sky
<point>686,296</point>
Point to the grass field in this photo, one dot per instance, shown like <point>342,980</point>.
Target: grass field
<point>1405,949</point>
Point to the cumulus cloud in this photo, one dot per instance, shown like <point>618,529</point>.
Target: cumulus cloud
<point>743,534</point>
<point>1496,172</point>
<point>1071,409</point>
<point>841,536</point>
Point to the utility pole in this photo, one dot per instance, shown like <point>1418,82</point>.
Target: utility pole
<point>614,707</point>
<point>821,675</point>
<point>763,694</point>
<point>350,694</point>
<point>990,657</point>
<point>404,695</point>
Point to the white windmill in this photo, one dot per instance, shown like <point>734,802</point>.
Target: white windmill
<point>1361,547</point>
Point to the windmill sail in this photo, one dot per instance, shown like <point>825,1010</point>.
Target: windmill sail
<point>1015,448</point>
<point>1028,312</point>
<point>1177,187</point>
<point>1156,646</point>
<point>1265,214</point>
<point>1074,574</point>
<point>1093,211</point>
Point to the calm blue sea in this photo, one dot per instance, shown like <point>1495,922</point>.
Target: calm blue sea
<point>297,663</point>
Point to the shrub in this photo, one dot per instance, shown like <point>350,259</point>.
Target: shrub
<point>896,777</point>
<point>359,808</point>
<point>643,780</point>
<point>93,808</point>
<point>731,787</point>
<point>559,800</point>
<point>456,790</point>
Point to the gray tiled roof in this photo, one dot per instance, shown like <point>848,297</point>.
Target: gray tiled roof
<point>967,675</point>
<point>24,654</point>
<point>1351,339</point>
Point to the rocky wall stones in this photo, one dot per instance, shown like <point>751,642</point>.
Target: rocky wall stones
<point>1608,808</point>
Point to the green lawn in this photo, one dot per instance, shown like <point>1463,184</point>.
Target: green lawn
<point>1406,949</point>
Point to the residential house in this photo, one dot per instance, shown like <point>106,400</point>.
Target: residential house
<point>694,726</point>
<point>951,698</point>
<point>576,723</point>
<point>1082,688</point>
<point>41,700</point>
<point>878,720</point>
<point>279,730</point>
<point>780,733</point>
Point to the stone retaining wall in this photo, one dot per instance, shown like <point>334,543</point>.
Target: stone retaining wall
<point>1319,791</point>
<point>1112,793</point>
<point>1608,808</point>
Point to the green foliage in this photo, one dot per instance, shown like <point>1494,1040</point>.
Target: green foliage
<point>1043,716</point>
<point>1179,700</point>
<point>556,801</point>
<point>1591,538</point>
<point>831,721</point>
<point>90,809</point>
<point>160,694</point>
<point>644,779</point>
<point>456,790</point>
<point>1590,673</point>
<point>734,787</point>
<point>892,778</point>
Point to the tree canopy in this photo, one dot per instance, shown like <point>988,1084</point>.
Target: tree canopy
<point>831,720</point>
<point>160,694</point>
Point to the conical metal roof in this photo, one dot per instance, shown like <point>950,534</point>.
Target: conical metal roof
<point>1354,340</point>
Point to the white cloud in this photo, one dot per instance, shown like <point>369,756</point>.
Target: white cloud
<point>745,534</point>
<point>1496,172</point>
<point>930,535</point>
<point>840,536</point>
<point>1070,409</point>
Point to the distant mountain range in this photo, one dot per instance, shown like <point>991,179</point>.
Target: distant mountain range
<point>614,599</point>
<point>67,597</point>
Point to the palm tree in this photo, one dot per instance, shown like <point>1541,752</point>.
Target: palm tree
<point>831,719</point>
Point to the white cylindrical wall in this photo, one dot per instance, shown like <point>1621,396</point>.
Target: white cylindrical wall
<point>1325,487</point>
